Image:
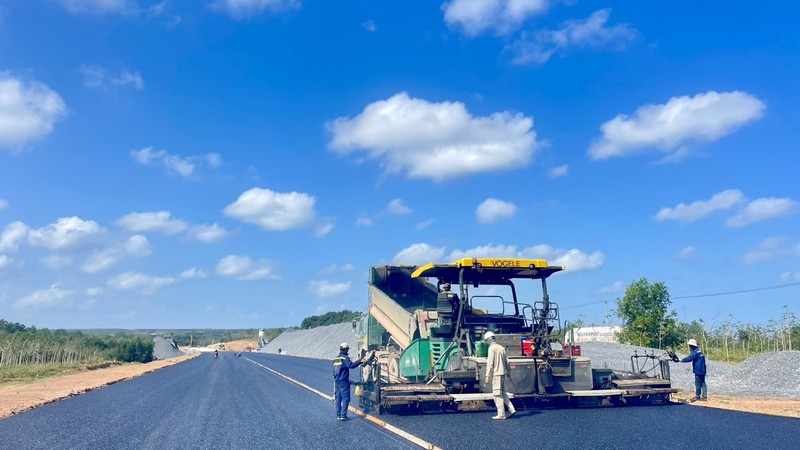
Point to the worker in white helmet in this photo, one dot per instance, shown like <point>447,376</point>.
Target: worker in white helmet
<point>698,361</point>
<point>497,369</point>
<point>341,376</point>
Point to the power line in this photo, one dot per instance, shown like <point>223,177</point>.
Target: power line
<point>738,292</point>
<point>716,294</point>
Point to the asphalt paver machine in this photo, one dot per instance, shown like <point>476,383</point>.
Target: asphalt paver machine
<point>429,351</point>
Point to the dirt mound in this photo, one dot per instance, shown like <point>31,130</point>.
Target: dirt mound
<point>236,346</point>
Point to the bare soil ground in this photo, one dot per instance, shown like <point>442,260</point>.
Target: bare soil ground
<point>18,397</point>
<point>761,405</point>
<point>235,346</point>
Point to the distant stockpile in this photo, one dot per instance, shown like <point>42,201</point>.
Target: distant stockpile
<point>165,348</point>
<point>775,374</point>
<point>320,342</point>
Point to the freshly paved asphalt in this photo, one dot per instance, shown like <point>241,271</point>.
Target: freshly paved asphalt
<point>634,427</point>
<point>231,403</point>
<point>203,403</point>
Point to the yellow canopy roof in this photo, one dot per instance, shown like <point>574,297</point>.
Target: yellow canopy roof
<point>488,270</point>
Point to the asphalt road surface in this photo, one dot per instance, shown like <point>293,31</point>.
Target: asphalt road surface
<point>203,403</point>
<point>232,403</point>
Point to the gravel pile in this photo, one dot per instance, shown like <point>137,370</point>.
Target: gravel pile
<point>320,342</point>
<point>165,348</point>
<point>774,374</point>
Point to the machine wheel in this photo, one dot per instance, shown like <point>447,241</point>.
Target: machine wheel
<point>393,368</point>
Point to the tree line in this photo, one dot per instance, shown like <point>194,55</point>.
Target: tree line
<point>648,321</point>
<point>329,318</point>
<point>29,346</point>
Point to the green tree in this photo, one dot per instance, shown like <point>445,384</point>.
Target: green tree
<point>329,318</point>
<point>646,320</point>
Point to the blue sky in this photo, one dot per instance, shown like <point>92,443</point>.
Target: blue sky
<point>242,163</point>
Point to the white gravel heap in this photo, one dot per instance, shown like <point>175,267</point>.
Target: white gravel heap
<point>775,374</point>
<point>320,342</point>
<point>165,348</point>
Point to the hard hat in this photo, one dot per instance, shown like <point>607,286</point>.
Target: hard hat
<point>488,335</point>
<point>692,342</point>
<point>345,345</point>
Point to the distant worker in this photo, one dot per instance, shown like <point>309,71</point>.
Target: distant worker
<point>698,360</point>
<point>216,353</point>
<point>497,369</point>
<point>341,375</point>
<point>452,297</point>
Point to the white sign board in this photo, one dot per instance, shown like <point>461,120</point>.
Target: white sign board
<point>595,334</point>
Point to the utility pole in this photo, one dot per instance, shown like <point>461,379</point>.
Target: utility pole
<point>605,321</point>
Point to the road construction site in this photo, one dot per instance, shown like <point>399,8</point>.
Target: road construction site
<point>232,402</point>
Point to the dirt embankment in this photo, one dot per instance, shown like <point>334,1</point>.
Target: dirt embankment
<point>235,346</point>
<point>760,405</point>
<point>18,397</point>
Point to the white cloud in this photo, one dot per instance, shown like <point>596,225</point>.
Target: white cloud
<point>687,253</point>
<point>560,171</point>
<point>96,77</point>
<point>12,236</point>
<point>788,277</point>
<point>772,249</point>
<point>53,296</point>
<point>323,229</point>
<point>700,209</point>
<point>573,259</point>
<point>493,210</point>
<point>136,246</point>
<point>437,141</point>
<point>100,7</point>
<point>618,286</point>
<point>364,221</point>
<point>183,166</point>
<point>425,224</point>
<point>419,254</point>
<point>369,26</point>
<point>28,110</point>
<point>193,273</point>
<point>273,211</point>
<point>145,284</point>
<point>64,233</point>
<point>3,204</point>
<point>159,222</point>
<point>763,209</point>
<point>213,160</point>
<point>474,17</point>
<point>56,262</point>
<point>94,291</point>
<point>673,127</point>
<point>208,234</point>
<point>333,268</point>
<point>397,207</point>
<point>592,32</point>
<point>325,288</point>
<point>244,268</point>
<point>245,9</point>
<point>5,261</point>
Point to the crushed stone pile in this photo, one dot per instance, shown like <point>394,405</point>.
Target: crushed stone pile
<point>775,374</point>
<point>165,348</point>
<point>320,342</point>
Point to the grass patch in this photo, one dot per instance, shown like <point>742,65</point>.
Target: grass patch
<point>31,373</point>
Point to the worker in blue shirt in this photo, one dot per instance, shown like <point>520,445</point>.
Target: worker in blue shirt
<point>698,361</point>
<point>341,375</point>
